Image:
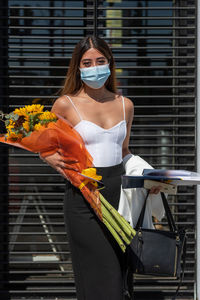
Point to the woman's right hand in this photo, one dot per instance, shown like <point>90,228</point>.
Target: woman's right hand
<point>60,162</point>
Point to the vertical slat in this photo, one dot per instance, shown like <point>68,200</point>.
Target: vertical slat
<point>4,267</point>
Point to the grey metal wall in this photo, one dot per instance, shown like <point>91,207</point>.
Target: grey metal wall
<point>154,46</point>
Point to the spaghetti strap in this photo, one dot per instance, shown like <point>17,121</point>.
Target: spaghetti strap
<point>123,107</point>
<point>74,106</point>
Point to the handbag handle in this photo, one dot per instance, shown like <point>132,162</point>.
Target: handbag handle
<point>169,216</point>
<point>141,216</point>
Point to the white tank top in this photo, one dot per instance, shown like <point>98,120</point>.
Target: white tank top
<point>104,145</point>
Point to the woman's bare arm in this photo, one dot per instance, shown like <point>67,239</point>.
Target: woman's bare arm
<point>129,110</point>
<point>57,160</point>
<point>125,150</point>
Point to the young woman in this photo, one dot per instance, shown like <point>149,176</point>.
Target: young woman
<point>90,102</point>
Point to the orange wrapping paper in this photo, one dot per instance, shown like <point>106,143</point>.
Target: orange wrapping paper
<point>61,136</point>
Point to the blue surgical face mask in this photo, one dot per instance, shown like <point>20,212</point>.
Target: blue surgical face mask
<point>95,77</point>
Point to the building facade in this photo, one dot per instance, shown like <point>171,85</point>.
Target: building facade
<point>154,45</point>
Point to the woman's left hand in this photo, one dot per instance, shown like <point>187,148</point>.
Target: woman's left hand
<point>155,189</point>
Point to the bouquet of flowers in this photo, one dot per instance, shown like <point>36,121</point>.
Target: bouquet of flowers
<point>43,132</point>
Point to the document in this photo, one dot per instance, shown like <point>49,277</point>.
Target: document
<point>174,177</point>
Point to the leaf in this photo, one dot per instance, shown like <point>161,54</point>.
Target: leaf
<point>15,117</point>
<point>35,118</point>
<point>31,124</point>
<point>19,129</point>
<point>27,133</point>
<point>12,116</point>
<point>1,115</point>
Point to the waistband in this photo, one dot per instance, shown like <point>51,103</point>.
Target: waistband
<point>115,170</point>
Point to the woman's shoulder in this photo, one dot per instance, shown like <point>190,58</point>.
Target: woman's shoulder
<point>60,105</point>
<point>129,105</point>
<point>129,109</point>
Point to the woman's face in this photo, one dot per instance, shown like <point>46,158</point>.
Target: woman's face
<point>92,58</point>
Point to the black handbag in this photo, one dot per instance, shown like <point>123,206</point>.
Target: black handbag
<point>158,252</point>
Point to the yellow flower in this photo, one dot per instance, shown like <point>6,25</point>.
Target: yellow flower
<point>47,115</point>
<point>37,126</point>
<point>31,117</point>
<point>26,126</point>
<point>10,126</point>
<point>13,136</point>
<point>91,174</point>
<point>29,109</point>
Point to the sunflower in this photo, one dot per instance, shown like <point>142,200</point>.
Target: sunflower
<point>37,126</point>
<point>47,115</point>
<point>29,109</point>
<point>10,126</point>
<point>22,121</point>
<point>26,126</point>
<point>12,135</point>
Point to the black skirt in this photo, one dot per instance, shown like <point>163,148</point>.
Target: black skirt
<point>97,259</point>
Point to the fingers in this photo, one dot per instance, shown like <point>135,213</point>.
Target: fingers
<point>64,155</point>
<point>60,170</point>
<point>61,163</point>
<point>66,166</point>
<point>155,190</point>
<point>67,159</point>
<point>67,163</point>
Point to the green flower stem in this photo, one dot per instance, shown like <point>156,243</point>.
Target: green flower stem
<point>115,235</point>
<point>121,221</point>
<point>128,226</point>
<point>108,216</point>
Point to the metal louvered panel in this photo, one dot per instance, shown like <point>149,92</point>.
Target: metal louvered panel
<point>3,158</point>
<point>154,46</point>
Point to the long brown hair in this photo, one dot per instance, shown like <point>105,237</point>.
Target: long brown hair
<point>73,83</point>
